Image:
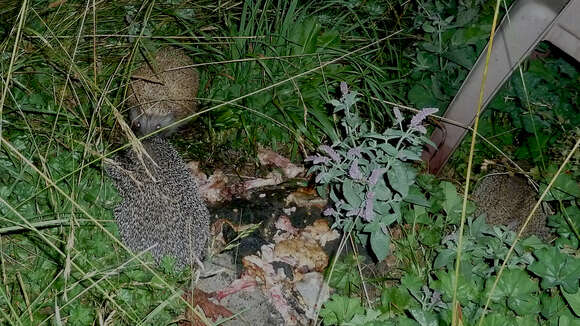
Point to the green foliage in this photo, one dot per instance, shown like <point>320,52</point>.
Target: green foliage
<point>354,170</point>
<point>287,39</point>
<point>516,290</point>
<point>556,268</point>
<point>533,118</point>
<point>517,299</point>
<point>566,224</point>
<point>538,287</point>
<point>346,276</point>
<point>58,112</point>
<point>543,112</point>
<point>340,309</point>
<point>454,33</point>
<point>32,254</point>
<point>565,188</point>
<point>565,192</point>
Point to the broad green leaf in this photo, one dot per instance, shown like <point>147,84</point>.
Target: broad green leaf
<point>533,243</point>
<point>495,319</point>
<point>382,192</point>
<point>446,257</point>
<point>415,196</point>
<point>424,317</point>
<point>389,149</point>
<point>341,309</point>
<point>400,178</point>
<point>404,321</point>
<point>556,268</point>
<point>464,56</point>
<point>552,305</point>
<point>452,203</point>
<point>371,318</point>
<point>396,298</point>
<point>566,221</point>
<point>420,96</point>
<point>517,287</point>
<point>410,154</point>
<point>417,215</point>
<point>566,320</point>
<point>429,28</point>
<point>412,282</point>
<point>466,291</point>
<point>346,274</point>
<point>380,244</point>
<point>372,226</point>
<point>350,194</point>
<point>529,320</point>
<point>565,188</point>
<point>513,283</point>
<point>573,300</point>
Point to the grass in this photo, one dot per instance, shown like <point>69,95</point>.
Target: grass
<point>62,113</point>
<point>268,70</point>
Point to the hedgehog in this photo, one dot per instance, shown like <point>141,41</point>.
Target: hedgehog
<point>162,92</point>
<point>508,200</point>
<point>162,210</point>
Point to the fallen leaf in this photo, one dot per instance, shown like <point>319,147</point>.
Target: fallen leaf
<point>211,310</point>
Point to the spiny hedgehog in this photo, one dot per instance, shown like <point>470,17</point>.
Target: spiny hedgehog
<point>163,92</point>
<point>508,200</point>
<point>167,212</point>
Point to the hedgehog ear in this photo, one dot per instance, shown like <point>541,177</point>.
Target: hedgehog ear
<point>135,114</point>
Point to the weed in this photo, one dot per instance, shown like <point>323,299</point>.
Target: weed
<point>354,170</point>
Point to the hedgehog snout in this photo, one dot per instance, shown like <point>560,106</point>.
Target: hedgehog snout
<point>146,124</point>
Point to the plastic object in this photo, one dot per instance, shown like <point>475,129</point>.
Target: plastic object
<point>530,22</point>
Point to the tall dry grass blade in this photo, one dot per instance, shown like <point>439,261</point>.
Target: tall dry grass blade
<point>274,85</point>
<point>21,20</point>
<point>522,229</point>
<point>89,216</point>
<point>24,294</point>
<point>52,245</point>
<point>106,275</point>
<point>455,304</point>
<point>11,308</point>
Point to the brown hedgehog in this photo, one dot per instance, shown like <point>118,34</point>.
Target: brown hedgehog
<point>162,92</point>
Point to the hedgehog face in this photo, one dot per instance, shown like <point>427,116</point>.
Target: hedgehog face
<point>143,123</point>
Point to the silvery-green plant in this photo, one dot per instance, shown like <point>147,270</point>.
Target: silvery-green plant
<point>368,174</point>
